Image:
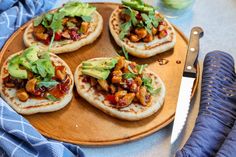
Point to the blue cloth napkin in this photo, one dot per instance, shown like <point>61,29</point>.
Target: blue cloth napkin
<point>217,113</point>
<point>17,136</point>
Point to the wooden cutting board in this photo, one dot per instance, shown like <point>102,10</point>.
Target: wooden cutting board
<point>81,123</point>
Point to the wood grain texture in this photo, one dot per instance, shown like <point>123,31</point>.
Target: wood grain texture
<point>81,123</point>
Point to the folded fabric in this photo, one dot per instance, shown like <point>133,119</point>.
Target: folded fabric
<point>228,148</point>
<point>217,111</point>
<point>14,13</point>
<point>17,137</point>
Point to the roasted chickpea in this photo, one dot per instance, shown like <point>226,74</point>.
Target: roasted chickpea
<point>133,38</point>
<point>84,27</point>
<point>120,64</point>
<point>154,31</point>
<point>141,32</point>
<point>22,95</point>
<point>162,34</point>
<point>148,38</point>
<point>30,85</point>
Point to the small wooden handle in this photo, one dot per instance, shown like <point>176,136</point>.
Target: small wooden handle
<point>192,54</point>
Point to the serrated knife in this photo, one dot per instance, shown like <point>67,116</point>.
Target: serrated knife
<point>187,81</point>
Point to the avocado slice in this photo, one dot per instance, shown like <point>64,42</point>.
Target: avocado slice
<point>14,68</point>
<point>99,74</point>
<point>104,64</point>
<point>138,5</point>
<point>31,54</point>
<point>25,63</point>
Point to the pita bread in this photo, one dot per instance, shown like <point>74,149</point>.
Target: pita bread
<point>95,29</point>
<point>133,112</point>
<point>33,105</point>
<point>141,49</point>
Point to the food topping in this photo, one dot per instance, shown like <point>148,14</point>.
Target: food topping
<point>69,22</point>
<point>35,75</point>
<point>140,23</point>
<point>125,82</point>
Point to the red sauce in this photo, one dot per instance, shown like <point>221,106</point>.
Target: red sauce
<point>61,89</point>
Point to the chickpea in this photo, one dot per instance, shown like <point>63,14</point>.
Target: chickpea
<point>141,95</point>
<point>154,31</point>
<point>120,64</point>
<point>141,32</point>
<point>148,38</point>
<point>60,74</point>
<point>117,76</point>
<point>120,94</point>
<point>112,88</point>
<point>30,85</point>
<point>84,27</point>
<point>126,100</point>
<point>22,95</point>
<point>133,38</point>
<point>162,34</point>
<point>138,80</point>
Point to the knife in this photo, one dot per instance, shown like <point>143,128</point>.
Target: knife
<point>189,75</point>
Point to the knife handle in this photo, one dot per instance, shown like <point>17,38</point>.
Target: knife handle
<point>192,53</point>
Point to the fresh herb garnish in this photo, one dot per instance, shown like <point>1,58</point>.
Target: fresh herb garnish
<point>86,18</point>
<point>53,21</point>
<point>147,14</point>
<point>47,84</point>
<point>140,68</point>
<point>125,27</point>
<point>129,75</point>
<point>148,23</point>
<point>43,66</point>
<point>51,97</point>
<point>125,53</point>
<point>147,82</point>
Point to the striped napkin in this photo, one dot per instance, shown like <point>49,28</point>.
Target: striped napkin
<point>18,138</point>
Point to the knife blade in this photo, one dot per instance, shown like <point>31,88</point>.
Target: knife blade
<point>187,81</point>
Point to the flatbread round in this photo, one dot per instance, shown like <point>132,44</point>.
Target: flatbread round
<point>33,105</point>
<point>141,49</point>
<point>134,111</point>
<point>95,29</point>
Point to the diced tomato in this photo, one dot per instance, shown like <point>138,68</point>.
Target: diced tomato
<point>57,37</point>
<point>138,16</point>
<point>111,99</point>
<point>47,41</point>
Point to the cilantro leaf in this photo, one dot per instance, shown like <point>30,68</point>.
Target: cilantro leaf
<point>47,84</point>
<point>125,27</point>
<point>51,97</point>
<point>57,21</point>
<point>129,75</point>
<point>148,22</point>
<point>140,68</point>
<point>147,82</point>
<point>38,20</point>
<point>125,53</point>
<point>86,18</point>
<point>43,67</point>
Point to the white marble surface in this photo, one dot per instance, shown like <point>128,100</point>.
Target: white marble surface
<point>218,19</point>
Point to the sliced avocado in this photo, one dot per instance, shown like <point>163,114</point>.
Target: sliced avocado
<point>104,64</point>
<point>101,75</point>
<point>31,54</point>
<point>138,5</point>
<point>14,68</point>
<point>25,63</point>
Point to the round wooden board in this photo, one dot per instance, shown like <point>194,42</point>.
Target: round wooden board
<point>81,123</point>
